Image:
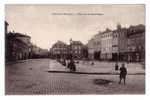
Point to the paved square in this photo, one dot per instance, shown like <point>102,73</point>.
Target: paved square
<point>46,76</point>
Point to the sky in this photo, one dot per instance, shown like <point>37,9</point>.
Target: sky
<point>46,24</point>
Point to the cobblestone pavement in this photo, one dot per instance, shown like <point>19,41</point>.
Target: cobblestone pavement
<point>32,77</point>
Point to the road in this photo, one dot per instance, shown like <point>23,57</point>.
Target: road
<point>37,77</point>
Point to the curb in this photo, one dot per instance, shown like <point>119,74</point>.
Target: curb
<point>94,73</point>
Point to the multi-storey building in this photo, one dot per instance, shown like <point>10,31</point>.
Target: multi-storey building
<point>85,52</point>
<point>94,47</point>
<point>106,44</point>
<point>76,49</point>
<point>59,50</point>
<point>91,49</point>
<point>122,44</point>
<point>18,46</point>
<point>119,44</point>
<point>136,43</point>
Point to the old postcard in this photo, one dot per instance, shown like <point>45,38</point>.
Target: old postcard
<point>74,49</point>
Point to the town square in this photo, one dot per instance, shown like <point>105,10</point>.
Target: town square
<point>74,49</point>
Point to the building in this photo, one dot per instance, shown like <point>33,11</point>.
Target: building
<point>94,47</point>
<point>76,49</point>
<point>91,49</point>
<point>38,52</point>
<point>85,52</point>
<point>35,51</point>
<point>119,44</point>
<point>136,43</point>
<point>18,46</point>
<point>59,50</point>
<point>43,53</point>
<point>106,44</point>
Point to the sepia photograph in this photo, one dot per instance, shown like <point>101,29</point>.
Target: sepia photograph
<point>74,49</point>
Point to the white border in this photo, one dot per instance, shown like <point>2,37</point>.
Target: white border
<point>89,97</point>
<point>75,1</point>
<point>1,49</point>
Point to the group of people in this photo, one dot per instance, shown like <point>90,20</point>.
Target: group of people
<point>123,72</point>
<point>122,75</point>
<point>70,64</point>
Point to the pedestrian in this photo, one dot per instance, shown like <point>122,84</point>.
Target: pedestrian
<point>92,63</point>
<point>116,66</point>
<point>68,64</point>
<point>123,73</point>
<point>64,62</point>
<point>72,65</point>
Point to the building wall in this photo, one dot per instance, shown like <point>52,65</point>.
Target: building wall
<point>136,47</point>
<point>94,46</point>
<point>77,49</point>
<point>16,47</point>
<point>91,49</point>
<point>122,41</point>
<point>59,49</point>
<point>136,43</point>
<point>115,42</point>
<point>106,45</point>
<point>25,39</point>
<point>119,44</point>
<point>17,50</point>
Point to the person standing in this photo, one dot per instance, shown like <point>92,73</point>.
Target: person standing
<point>123,73</point>
<point>72,66</point>
<point>64,62</point>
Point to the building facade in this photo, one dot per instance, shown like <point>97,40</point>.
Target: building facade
<point>106,45</point>
<point>18,46</point>
<point>59,50</point>
<point>119,44</point>
<point>91,49</point>
<point>76,49</point>
<point>94,47</point>
<point>136,43</point>
<point>37,52</point>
